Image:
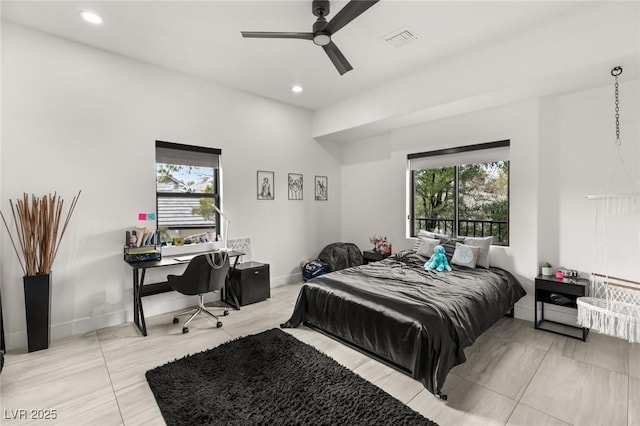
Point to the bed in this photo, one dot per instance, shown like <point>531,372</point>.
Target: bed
<point>418,321</point>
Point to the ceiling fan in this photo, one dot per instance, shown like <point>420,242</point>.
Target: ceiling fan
<point>323,30</point>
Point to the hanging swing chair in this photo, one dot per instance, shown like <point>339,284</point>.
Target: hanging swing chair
<point>613,305</point>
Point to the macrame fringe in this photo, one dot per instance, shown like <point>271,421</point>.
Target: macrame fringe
<point>612,318</point>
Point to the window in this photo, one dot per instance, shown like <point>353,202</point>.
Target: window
<point>187,188</point>
<point>461,191</point>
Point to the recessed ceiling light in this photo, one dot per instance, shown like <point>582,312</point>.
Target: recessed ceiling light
<point>296,89</point>
<point>91,17</point>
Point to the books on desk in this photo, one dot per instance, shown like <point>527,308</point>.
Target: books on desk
<point>142,254</point>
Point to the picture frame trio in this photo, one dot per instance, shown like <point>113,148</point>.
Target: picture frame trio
<point>265,185</point>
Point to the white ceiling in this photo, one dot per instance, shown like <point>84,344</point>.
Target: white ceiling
<point>202,38</point>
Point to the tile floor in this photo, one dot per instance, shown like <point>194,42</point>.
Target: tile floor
<point>514,375</point>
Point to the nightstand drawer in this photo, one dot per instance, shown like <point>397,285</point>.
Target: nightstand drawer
<point>560,287</point>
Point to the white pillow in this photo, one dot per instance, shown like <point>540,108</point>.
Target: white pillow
<point>484,244</point>
<point>465,255</point>
<point>425,246</point>
<point>430,234</point>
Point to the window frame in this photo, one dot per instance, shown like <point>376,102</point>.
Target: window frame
<point>453,151</point>
<point>215,195</point>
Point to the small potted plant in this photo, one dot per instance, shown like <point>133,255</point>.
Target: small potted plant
<point>547,269</point>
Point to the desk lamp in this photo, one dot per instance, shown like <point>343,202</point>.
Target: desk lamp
<point>226,228</point>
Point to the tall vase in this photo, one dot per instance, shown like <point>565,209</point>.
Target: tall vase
<point>37,304</point>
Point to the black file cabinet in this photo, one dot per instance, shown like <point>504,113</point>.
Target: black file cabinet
<point>250,282</point>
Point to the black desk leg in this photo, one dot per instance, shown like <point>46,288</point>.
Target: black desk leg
<point>138,312</point>
<point>136,317</point>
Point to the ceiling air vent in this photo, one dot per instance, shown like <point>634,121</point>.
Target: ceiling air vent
<point>401,36</point>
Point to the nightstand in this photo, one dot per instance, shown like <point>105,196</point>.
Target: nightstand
<point>373,256</point>
<point>250,282</point>
<point>559,292</point>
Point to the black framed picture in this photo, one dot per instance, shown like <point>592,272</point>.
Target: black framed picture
<point>295,186</point>
<point>266,185</point>
<point>322,188</point>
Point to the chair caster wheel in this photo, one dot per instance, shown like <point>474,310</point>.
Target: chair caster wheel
<point>225,313</point>
<point>185,330</point>
<point>219,324</point>
<point>176,320</point>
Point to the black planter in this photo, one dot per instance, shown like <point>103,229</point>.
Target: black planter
<point>37,304</point>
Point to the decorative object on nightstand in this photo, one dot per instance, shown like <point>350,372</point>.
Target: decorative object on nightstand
<point>380,244</point>
<point>559,292</point>
<point>547,269</point>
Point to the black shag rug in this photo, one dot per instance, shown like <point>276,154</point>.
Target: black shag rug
<point>271,378</point>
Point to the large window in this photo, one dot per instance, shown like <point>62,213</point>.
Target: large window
<point>187,188</point>
<point>461,191</point>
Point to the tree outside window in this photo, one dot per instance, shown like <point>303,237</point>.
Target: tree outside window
<point>465,200</point>
<point>186,191</point>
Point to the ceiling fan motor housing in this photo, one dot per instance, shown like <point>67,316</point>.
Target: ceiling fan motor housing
<point>320,37</point>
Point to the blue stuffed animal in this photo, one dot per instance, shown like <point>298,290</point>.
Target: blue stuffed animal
<point>438,260</point>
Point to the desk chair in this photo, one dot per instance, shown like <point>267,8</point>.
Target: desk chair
<point>205,273</point>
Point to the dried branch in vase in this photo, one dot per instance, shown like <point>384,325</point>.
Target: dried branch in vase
<point>37,222</point>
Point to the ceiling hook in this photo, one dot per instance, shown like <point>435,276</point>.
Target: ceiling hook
<point>616,71</point>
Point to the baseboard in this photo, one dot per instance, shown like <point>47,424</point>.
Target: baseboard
<point>287,279</point>
<point>153,305</point>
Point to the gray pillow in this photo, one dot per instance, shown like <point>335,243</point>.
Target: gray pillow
<point>449,243</point>
<point>465,255</point>
<point>424,246</point>
<point>484,244</point>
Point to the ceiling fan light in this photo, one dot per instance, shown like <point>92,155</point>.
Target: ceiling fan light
<point>90,17</point>
<point>321,39</point>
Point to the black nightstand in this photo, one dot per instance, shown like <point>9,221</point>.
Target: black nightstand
<point>373,256</point>
<point>560,292</point>
<point>250,282</point>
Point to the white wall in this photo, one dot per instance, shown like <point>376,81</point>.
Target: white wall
<point>77,118</point>
<point>580,158</point>
<point>374,197</point>
<point>560,147</point>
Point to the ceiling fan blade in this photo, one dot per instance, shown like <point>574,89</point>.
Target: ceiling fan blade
<point>337,58</point>
<point>263,34</point>
<point>348,13</point>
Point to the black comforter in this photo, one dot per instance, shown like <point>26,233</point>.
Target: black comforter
<point>418,320</point>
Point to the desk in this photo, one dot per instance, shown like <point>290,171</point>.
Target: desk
<point>140,289</point>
